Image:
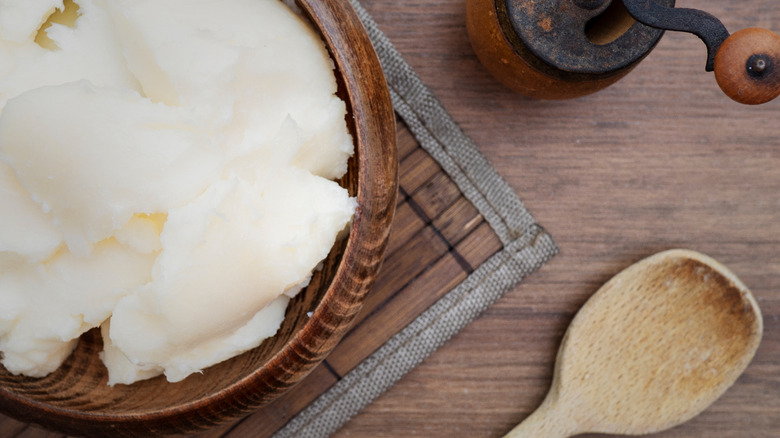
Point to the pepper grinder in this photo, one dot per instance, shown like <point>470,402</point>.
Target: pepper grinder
<point>563,49</point>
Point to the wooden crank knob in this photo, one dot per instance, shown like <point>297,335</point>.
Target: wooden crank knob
<point>747,66</point>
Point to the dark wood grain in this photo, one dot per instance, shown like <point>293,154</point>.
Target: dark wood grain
<point>76,399</point>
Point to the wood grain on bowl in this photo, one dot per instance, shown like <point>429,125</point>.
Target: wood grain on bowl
<point>75,399</point>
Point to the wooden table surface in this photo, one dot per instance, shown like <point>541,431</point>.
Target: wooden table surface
<point>660,160</point>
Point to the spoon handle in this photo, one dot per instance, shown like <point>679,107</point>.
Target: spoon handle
<point>546,421</point>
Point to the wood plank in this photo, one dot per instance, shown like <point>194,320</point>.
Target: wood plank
<point>436,194</point>
<point>11,428</point>
<point>418,167</point>
<point>479,245</point>
<point>214,432</point>
<point>396,314</point>
<point>406,224</point>
<point>457,221</point>
<point>402,267</point>
<point>271,418</point>
<point>405,141</point>
<point>36,432</point>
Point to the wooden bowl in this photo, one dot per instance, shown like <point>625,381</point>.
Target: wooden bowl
<point>75,399</point>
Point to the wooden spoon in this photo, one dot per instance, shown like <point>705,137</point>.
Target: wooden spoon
<point>654,347</point>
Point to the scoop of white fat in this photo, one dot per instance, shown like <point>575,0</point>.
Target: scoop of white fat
<point>20,212</point>
<point>90,50</point>
<point>46,306</point>
<point>224,258</point>
<point>249,64</point>
<point>177,148</point>
<point>117,155</point>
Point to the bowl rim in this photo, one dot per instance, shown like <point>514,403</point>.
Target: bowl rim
<point>368,98</point>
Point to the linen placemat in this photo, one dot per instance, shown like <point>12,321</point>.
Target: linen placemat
<point>526,247</point>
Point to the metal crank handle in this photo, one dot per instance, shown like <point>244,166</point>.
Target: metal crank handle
<point>746,64</point>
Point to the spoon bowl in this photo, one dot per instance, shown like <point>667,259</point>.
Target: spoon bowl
<point>654,347</point>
